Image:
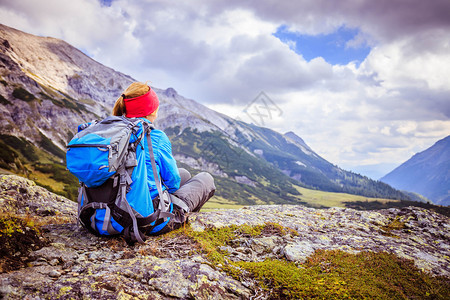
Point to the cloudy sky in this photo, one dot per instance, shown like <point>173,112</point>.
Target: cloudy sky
<point>365,83</point>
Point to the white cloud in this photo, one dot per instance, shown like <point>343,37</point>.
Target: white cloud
<point>397,67</point>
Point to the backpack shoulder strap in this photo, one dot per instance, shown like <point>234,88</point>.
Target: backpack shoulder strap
<point>170,199</point>
<point>148,129</point>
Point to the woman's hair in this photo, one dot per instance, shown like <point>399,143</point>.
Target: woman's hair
<point>135,89</point>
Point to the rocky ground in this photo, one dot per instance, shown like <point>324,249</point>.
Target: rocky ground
<point>62,260</point>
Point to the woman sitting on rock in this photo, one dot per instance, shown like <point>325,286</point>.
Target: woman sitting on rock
<point>140,101</point>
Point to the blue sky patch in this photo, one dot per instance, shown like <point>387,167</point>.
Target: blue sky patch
<point>106,2</point>
<point>332,47</point>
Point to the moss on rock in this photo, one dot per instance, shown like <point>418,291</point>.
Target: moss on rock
<point>18,237</point>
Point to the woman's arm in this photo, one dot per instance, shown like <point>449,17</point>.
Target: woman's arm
<point>167,164</point>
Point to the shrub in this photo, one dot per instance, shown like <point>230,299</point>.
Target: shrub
<point>23,94</point>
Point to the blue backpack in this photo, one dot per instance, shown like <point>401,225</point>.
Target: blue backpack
<point>114,198</point>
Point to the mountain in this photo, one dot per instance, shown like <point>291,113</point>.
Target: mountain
<point>426,173</point>
<point>49,87</point>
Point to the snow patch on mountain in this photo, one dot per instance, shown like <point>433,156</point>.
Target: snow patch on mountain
<point>300,163</point>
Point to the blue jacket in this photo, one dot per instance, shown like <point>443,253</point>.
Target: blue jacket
<point>166,164</point>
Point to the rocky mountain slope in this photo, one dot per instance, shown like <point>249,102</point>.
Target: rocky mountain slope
<point>231,254</point>
<point>426,173</point>
<point>49,87</point>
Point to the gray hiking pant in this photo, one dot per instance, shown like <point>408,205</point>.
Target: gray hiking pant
<point>195,191</point>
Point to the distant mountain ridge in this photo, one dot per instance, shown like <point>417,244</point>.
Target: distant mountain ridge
<point>426,173</point>
<point>49,87</point>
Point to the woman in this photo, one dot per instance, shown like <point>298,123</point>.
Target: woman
<point>140,101</point>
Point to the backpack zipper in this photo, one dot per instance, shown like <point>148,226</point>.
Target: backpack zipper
<point>107,147</point>
<point>89,145</point>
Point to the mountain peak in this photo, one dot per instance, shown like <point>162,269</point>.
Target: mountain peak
<point>170,92</point>
<point>295,138</point>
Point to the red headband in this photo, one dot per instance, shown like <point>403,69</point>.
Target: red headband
<point>141,106</point>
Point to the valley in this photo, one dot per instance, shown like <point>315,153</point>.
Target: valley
<point>43,103</point>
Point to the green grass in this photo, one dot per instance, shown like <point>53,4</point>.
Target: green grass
<point>321,199</point>
<point>216,203</point>
<point>318,198</point>
<point>21,157</point>
<point>327,274</point>
<point>55,178</point>
<point>308,197</point>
